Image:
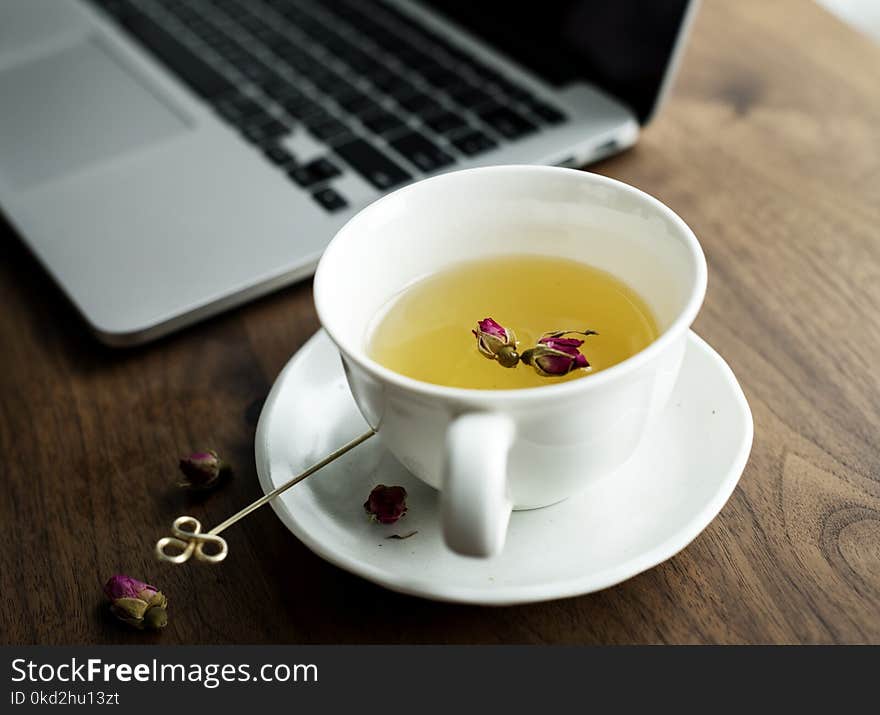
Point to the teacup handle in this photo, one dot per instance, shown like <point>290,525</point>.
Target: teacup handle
<point>475,503</point>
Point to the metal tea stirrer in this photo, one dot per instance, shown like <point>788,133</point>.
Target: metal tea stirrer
<point>189,540</point>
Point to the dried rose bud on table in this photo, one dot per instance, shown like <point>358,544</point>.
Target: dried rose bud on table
<point>136,603</point>
<point>203,470</point>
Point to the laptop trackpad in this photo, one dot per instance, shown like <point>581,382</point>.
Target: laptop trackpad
<point>73,109</point>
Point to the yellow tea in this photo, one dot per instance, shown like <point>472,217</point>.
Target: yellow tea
<point>425,332</point>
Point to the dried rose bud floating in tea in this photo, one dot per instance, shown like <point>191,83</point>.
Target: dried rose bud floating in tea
<point>425,332</point>
<point>386,504</point>
<point>496,342</point>
<point>557,353</point>
<point>554,355</point>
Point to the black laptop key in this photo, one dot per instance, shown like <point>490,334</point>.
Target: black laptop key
<point>422,152</point>
<point>487,74</point>
<point>231,51</point>
<point>279,88</point>
<point>446,122</point>
<point>511,89</point>
<point>194,71</point>
<point>420,104</point>
<point>249,22</point>
<point>401,17</point>
<point>206,31</point>
<point>455,53</point>
<point>384,80</point>
<point>366,109</point>
<point>545,112</point>
<point>330,41</point>
<point>401,89</point>
<point>257,119</point>
<point>333,43</point>
<point>330,129</point>
<point>264,33</point>
<point>370,163</point>
<point>279,43</point>
<point>324,168</point>
<point>295,15</point>
<point>439,76</point>
<point>278,155</point>
<point>415,59</point>
<point>506,122</point>
<point>383,123</point>
<point>337,87</point>
<point>358,103</point>
<point>199,26</point>
<point>317,118</point>
<point>310,27</point>
<point>114,7</point>
<point>265,132</point>
<point>371,67</point>
<point>301,107</point>
<point>254,71</point>
<point>293,56</point>
<point>322,77</point>
<point>363,64</point>
<point>381,37</point>
<point>330,199</point>
<point>239,109</point>
<point>314,172</point>
<point>301,62</point>
<point>469,96</point>
<point>473,143</point>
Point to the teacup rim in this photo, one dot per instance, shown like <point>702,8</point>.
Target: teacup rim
<point>677,327</point>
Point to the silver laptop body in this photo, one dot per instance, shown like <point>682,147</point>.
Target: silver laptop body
<point>130,168</point>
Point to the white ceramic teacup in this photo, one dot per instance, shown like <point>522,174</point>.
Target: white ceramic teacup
<point>490,451</point>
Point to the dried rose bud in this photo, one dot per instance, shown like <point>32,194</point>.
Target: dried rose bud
<point>496,342</point>
<point>203,470</point>
<point>555,355</point>
<point>136,603</point>
<point>386,504</point>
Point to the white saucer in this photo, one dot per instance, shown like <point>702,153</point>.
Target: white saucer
<point>648,511</point>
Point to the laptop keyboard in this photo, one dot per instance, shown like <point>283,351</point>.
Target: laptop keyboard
<point>389,98</point>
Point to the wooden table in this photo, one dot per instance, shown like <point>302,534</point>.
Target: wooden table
<point>769,149</point>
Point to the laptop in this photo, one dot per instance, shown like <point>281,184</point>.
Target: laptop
<point>168,159</point>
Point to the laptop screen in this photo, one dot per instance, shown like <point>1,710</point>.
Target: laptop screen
<point>622,46</point>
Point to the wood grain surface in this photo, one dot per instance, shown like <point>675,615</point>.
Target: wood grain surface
<point>769,149</point>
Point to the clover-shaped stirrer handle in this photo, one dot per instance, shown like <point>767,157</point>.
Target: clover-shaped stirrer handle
<point>189,540</point>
